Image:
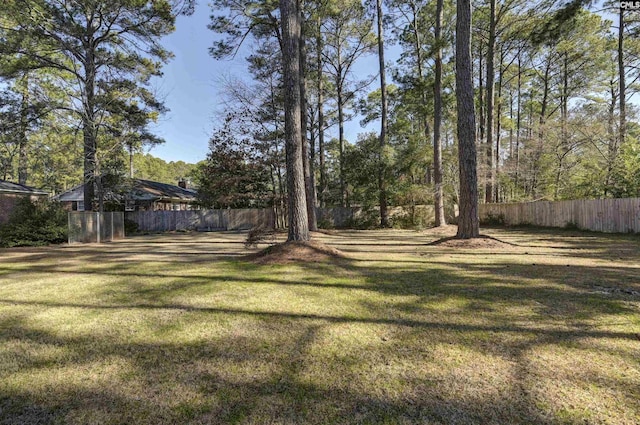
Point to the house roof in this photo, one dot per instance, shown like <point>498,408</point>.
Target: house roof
<point>142,190</point>
<point>9,187</point>
<point>147,189</point>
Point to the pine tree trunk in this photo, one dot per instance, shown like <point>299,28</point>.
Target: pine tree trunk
<point>490,175</point>
<point>297,205</point>
<point>343,185</point>
<point>612,151</point>
<point>23,143</point>
<point>541,130</point>
<point>468,222</point>
<point>382,170</point>
<point>131,171</point>
<point>419,59</point>
<point>623,86</point>
<point>323,172</point>
<point>306,156</point>
<point>498,133</point>
<point>518,122</point>
<point>437,121</point>
<point>89,131</point>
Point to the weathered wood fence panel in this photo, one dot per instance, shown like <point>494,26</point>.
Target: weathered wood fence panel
<point>95,227</point>
<point>165,221</point>
<point>348,216</point>
<point>600,215</point>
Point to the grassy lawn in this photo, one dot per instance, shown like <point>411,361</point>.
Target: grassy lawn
<point>541,329</point>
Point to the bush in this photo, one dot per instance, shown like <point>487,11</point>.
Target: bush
<point>570,225</point>
<point>325,223</point>
<point>34,224</point>
<point>367,218</point>
<point>494,220</point>
<point>417,217</point>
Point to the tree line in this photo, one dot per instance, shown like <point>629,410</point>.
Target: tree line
<point>80,70</point>
<point>547,113</point>
<point>551,86</point>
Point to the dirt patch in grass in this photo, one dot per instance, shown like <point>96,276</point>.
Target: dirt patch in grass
<point>482,242</point>
<point>442,231</point>
<point>293,252</point>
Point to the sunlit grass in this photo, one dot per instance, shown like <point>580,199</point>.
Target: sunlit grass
<point>180,329</point>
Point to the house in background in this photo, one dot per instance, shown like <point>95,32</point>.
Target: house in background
<point>142,195</point>
<point>10,193</point>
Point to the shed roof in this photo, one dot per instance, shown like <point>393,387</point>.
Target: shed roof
<point>10,187</point>
<point>142,190</point>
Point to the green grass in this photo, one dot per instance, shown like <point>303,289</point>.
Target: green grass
<point>170,329</point>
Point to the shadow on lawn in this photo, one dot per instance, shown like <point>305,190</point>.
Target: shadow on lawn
<point>281,378</point>
<point>274,367</point>
<point>600,244</point>
<point>559,334</point>
<point>592,290</point>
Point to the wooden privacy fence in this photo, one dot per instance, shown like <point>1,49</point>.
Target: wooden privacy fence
<point>203,220</point>
<point>600,215</point>
<point>242,219</point>
<point>357,216</point>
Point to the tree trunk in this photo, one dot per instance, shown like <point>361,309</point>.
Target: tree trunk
<point>297,205</point>
<point>275,165</point>
<point>99,188</point>
<point>23,143</point>
<point>323,171</point>
<point>89,143</point>
<point>274,202</point>
<point>612,152</point>
<point>89,130</point>
<point>511,140</point>
<point>518,121</point>
<point>481,108</point>
<point>564,111</point>
<point>468,222</point>
<point>437,121</point>
<point>419,64</point>
<point>498,133</point>
<point>306,156</point>
<point>490,174</point>
<point>542,122</point>
<point>382,168</point>
<point>623,87</point>
<point>131,171</point>
<point>343,188</point>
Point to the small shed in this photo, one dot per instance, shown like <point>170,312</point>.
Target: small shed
<point>11,192</point>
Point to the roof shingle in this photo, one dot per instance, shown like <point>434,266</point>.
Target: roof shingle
<point>143,190</point>
<point>9,187</point>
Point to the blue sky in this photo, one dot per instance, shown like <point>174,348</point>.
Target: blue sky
<point>190,85</point>
<point>188,88</point>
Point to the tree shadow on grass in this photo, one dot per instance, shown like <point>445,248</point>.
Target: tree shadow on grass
<point>589,290</point>
<point>284,364</point>
<point>286,376</point>
<point>578,332</point>
<point>607,244</point>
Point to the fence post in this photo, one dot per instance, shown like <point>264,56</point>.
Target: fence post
<point>98,227</point>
